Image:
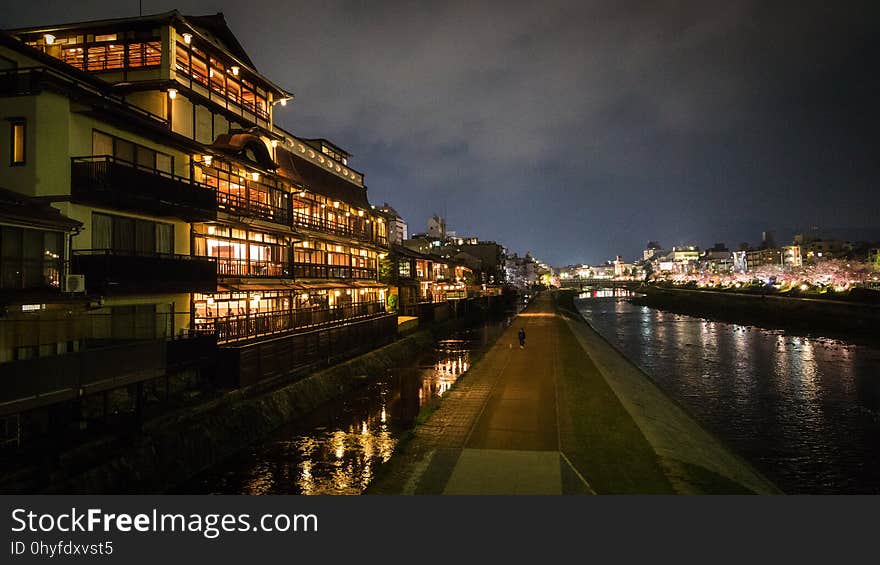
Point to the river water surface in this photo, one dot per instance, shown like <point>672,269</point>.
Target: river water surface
<point>804,410</point>
<point>337,448</point>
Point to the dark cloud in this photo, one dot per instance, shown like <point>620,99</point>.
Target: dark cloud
<point>579,130</point>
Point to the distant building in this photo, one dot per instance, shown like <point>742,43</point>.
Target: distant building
<point>437,227</point>
<point>397,229</point>
<point>759,258</point>
<point>716,261</point>
<point>681,260</point>
<point>819,247</point>
<point>621,267</point>
<point>653,248</point>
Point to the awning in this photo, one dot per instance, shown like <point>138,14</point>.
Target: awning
<point>323,285</point>
<point>362,284</point>
<point>320,181</point>
<point>246,287</point>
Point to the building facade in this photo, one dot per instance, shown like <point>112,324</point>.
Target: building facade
<point>195,214</point>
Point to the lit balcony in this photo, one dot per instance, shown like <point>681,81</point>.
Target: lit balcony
<point>112,182</point>
<point>248,326</point>
<point>321,271</point>
<point>345,229</point>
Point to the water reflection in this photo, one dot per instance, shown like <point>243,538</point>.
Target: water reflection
<point>337,448</point>
<point>802,409</point>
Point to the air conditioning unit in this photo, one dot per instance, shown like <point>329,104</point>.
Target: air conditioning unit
<point>74,283</point>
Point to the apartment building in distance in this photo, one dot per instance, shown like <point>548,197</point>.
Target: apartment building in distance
<point>180,224</point>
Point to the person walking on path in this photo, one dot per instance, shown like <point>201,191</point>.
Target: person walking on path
<point>522,338</point>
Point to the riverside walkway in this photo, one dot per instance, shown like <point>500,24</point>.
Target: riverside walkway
<point>565,415</point>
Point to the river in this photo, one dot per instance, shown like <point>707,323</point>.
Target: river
<point>804,410</point>
<point>337,448</point>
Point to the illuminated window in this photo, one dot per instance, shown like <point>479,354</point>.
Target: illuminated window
<point>73,56</point>
<point>199,70</point>
<point>182,58</point>
<point>18,145</point>
<point>147,54</point>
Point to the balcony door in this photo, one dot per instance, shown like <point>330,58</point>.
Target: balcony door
<point>131,236</point>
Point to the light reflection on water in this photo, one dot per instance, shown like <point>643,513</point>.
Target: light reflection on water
<point>804,410</point>
<point>338,448</point>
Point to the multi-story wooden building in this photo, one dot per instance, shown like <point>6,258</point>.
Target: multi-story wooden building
<point>195,213</point>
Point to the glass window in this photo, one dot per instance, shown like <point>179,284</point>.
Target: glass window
<point>19,142</point>
<point>199,70</point>
<point>181,58</point>
<point>148,54</point>
<point>102,231</point>
<point>123,234</point>
<point>145,237</point>
<point>115,56</point>
<point>124,150</point>
<point>164,238</point>
<point>73,56</point>
<point>233,90</point>
<point>146,157</point>
<point>102,144</point>
<point>164,163</point>
<point>97,59</point>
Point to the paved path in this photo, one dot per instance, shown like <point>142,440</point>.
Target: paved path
<point>538,420</point>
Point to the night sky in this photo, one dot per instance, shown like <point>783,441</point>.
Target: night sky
<point>577,130</point>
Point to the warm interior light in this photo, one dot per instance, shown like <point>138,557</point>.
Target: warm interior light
<point>207,159</point>
<point>255,176</point>
<point>347,214</point>
<point>187,38</point>
<point>302,194</point>
<point>234,70</point>
<point>305,244</point>
<point>172,93</point>
<point>336,293</point>
<point>360,213</point>
<point>210,230</point>
<point>50,39</point>
<point>336,204</point>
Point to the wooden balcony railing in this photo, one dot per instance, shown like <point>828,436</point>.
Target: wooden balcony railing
<point>247,326</point>
<point>109,181</point>
<point>115,272</point>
